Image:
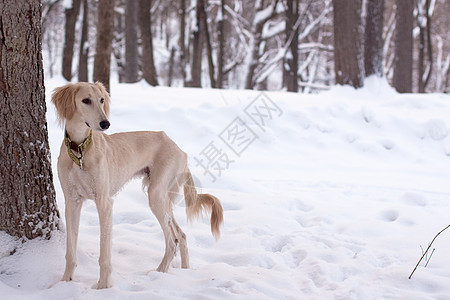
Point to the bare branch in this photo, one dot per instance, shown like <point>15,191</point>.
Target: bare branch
<point>426,251</point>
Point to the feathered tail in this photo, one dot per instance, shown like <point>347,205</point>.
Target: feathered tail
<point>196,204</point>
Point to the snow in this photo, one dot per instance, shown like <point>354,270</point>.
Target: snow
<point>333,200</point>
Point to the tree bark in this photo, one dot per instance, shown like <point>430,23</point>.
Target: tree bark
<point>402,80</point>
<point>348,53</point>
<point>131,43</point>
<point>373,40</point>
<point>145,23</point>
<point>27,196</point>
<point>291,60</point>
<point>69,38</point>
<point>105,30</point>
<point>84,46</point>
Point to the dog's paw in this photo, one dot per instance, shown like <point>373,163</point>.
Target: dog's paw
<point>66,278</point>
<point>104,284</point>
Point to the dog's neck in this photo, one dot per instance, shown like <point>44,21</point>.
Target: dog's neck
<point>77,131</point>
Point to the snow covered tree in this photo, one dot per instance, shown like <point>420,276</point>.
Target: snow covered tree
<point>264,12</point>
<point>27,196</point>
<point>373,38</point>
<point>403,60</point>
<point>69,38</point>
<point>105,30</point>
<point>348,54</point>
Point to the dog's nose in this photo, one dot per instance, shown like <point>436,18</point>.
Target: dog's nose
<point>104,124</point>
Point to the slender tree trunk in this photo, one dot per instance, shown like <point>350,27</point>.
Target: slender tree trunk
<point>84,46</point>
<point>105,31</point>
<point>27,196</point>
<point>131,42</point>
<point>373,40</point>
<point>145,23</point>
<point>182,40</point>
<point>69,38</point>
<point>197,48</point>
<point>208,45</point>
<point>423,19</point>
<point>171,63</point>
<point>291,60</point>
<point>221,38</point>
<point>348,53</point>
<point>402,80</point>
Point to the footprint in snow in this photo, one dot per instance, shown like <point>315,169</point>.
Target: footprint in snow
<point>389,215</point>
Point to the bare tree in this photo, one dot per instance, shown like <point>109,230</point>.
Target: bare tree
<point>145,23</point>
<point>69,39</point>
<point>402,80</point>
<point>105,29</point>
<point>84,45</point>
<point>291,59</point>
<point>27,196</point>
<point>131,73</point>
<point>221,40</point>
<point>373,38</point>
<point>197,47</point>
<point>182,39</point>
<point>348,54</point>
<point>424,22</point>
<point>262,15</point>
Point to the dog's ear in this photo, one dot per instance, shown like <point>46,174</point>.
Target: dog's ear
<point>106,97</point>
<point>64,100</point>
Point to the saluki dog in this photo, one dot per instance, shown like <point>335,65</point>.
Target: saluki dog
<point>94,165</point>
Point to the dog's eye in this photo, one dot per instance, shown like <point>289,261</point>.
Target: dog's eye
<point>86,101</point>
<point>102,100</point>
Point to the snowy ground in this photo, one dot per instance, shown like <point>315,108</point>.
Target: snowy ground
<point>330,198</point>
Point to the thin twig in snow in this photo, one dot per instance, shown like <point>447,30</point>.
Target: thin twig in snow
<point>426,251</point>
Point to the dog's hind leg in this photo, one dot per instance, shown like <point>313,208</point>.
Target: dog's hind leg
<point>161,208</point>
<point>73,211</point>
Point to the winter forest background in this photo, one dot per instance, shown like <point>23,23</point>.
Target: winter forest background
<point>264,44</point>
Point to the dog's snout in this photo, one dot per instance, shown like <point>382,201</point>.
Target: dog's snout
<point>104,124</point>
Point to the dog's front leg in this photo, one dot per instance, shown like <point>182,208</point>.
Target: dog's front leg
<point>104,208</point>
<point>73,210</point>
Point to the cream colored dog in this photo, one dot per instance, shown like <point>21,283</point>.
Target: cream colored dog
<point>94,165</point>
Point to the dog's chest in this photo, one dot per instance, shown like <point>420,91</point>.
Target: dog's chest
<point>83,182</point>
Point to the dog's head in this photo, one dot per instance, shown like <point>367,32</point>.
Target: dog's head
<point>83,102</point>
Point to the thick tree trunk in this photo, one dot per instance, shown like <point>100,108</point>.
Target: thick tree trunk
<point>27,196</point>
<point>69,38</point>
<point>84,46</point>
<point>348,53</point>
<point>105,30</point>
<point>131,43</point>
<point>145,24</point>
<point>291,60</point>
<point>402,80</point>
<point>373,40</point>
